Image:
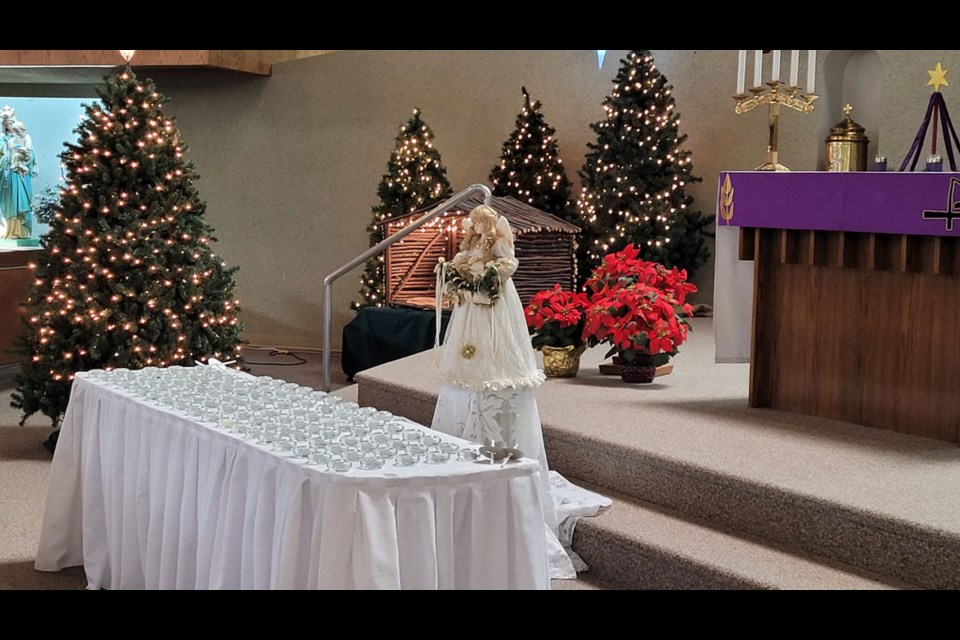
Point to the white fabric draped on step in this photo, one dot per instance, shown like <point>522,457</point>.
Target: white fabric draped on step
<point>511,415</point>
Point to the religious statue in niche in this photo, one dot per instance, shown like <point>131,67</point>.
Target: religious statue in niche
<point>18,168</point>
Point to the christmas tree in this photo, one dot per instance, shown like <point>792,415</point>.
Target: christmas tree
<point>415,179</point>
<point>530,168</point>
<point>127,276</point>
<point>635,176</point>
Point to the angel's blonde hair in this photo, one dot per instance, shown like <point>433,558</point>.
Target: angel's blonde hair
<point>489,217</point>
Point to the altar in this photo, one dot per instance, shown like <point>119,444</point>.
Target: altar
<point>855,283</point>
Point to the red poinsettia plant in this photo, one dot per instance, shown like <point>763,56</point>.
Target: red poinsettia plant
<point>555,318</point>
<point>637,307</point>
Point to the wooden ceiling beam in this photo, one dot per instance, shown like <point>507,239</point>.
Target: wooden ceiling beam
<point>246,60</point>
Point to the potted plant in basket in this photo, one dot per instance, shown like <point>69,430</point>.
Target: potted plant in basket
<point>639,308</point>
<point>555,319</point>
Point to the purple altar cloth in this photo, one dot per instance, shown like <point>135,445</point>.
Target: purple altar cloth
<point>924,204</point>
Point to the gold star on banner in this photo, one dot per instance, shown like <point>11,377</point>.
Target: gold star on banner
<point>938,78</point>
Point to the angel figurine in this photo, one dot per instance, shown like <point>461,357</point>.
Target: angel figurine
<point>487,366</point>
<point>487,344</point>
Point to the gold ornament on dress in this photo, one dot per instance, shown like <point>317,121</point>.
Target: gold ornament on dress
<point>468,351</point>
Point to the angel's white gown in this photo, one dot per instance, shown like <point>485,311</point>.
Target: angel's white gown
<point>488,369</point>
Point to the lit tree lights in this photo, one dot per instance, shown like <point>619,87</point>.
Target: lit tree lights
<point>127,276</point>
<point>415,179</point>
<point>635,176</point>
<point>530,168</point>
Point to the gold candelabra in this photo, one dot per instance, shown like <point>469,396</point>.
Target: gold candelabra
<point>779,94</point>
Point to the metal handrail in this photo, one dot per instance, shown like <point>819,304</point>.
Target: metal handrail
<point>375,251</point>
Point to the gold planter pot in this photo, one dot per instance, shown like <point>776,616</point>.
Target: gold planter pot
<point>561,362</point>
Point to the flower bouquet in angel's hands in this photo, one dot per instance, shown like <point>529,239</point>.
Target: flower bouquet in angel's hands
<point>639,308</point>
<point>468,279</point>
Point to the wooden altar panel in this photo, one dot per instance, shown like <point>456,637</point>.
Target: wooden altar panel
<point>15,278</point>
<point>861,328</point>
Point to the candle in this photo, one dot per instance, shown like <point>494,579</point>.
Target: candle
<point>794,67</point>
<point>741,71</point>
<point>758,68</point>
<point>811,70</point>
<point>775,74</point>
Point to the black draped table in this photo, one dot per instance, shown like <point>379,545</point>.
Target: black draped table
<point>380,335</point>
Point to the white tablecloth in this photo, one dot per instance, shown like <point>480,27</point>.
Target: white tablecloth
<point>146,498</point>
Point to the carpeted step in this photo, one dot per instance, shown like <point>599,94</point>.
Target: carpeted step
<point>637,545</point>
<point>880,501</point>
<point>584,582</point>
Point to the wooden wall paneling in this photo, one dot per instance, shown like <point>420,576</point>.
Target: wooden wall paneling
<point>833,249</point>
<point>789,246</point>
<point>15,277</point>
<point>926,405</point>
<point>833,329</point>
<point>857,345</point>
<point>806,247</point>
<point>950,248</point>
<point>924,255</point>
<point>748,243</point>
<point>905,260</point>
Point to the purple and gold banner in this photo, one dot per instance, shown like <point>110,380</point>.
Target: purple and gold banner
<point>923,204</point>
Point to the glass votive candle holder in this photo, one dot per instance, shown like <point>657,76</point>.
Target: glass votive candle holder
<point>406,460</point>
<point>353,455</point>
<point>415,449</point>
<point>267,435</point>
<point>360,430</point>
<point>319,457</point>
<point>438,457</point>
<point>300,449</point>
<point>468,455</point>
<point>413,435</point>
<point>430,440</point>
<point>340,466</point>
<point>385,453</point>
<point>449,448</point>
<point>371,463</point>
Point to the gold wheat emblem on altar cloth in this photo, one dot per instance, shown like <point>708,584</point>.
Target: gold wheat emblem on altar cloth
<point>726,199</point>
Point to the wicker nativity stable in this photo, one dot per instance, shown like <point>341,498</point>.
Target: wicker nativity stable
<point>545,246</point>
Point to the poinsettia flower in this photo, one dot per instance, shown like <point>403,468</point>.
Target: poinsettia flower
<point>567,316</point>
<point>661,338</point>
<point>622,261</point>
<point>534,319</point>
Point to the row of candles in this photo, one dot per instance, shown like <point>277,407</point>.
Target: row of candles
<point>775,69</point>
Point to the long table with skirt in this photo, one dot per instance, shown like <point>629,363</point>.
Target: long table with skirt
<point>146,498</point>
